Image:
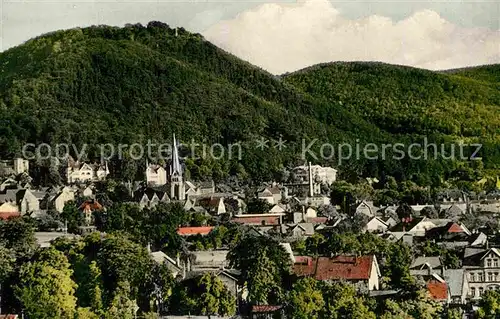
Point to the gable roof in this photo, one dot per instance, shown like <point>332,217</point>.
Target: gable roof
<point>455,279</point>
<point>491,250</point>
<point>337,268</point>
<point>438,290</point>
<point>187,231</point>
<point>90,205</point>
<point>407,226</point>
<point>420,262</point>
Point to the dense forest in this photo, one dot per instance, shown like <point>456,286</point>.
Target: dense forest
<point>129,85</point>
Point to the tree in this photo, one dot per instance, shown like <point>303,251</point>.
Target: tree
<point>85,313</point>
<point>72,216</point>
<point>421,305</point>
<point>489,305</point>
<point>429,212</point>
<point>157,289</point>
<point>258,206</point>
<point>89,291</point>
<point>314,243</point>
<point>397,266</point>
<point>264,264</point>
<point>18,234</point>
<point>305,299</point>
<point>121,305</point>
<point>123,261</point>
<point>342,194</point>
<point>204,295</point>
<point>46,289</point>
<point>341,301</point>
<point>7,260</point>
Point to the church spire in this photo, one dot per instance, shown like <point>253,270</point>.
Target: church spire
<point>176,164</point>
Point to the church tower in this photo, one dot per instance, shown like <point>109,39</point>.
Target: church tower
<point>177,188</point>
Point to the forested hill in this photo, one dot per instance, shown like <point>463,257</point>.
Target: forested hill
<point>460,105</point>
<point>125,85</point>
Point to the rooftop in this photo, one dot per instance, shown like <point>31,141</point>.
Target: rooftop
<point>340,267</point>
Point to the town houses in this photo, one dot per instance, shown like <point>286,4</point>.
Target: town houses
<point>457,263</point>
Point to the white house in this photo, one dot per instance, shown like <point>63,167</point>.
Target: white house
<point>320,174</point>
<point>375,224</point>
<point>272,195</point>
<point>77,172</point>
<point>64,196</point>
<point>156,175</point>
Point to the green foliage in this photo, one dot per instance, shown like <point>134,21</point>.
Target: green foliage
<point>122,260</point>
<point>258,206</point>
<point>449,258</point>
<point>132,80</point>
<point>203,295</point>
<point>305,299</point>
<point>7,260</point>
<point>264,265</point>
<point>46,289</point>
<point>342,301</point>
<point>422,306</point>
<point>18,234</point>
<point>85,313</point>
<point>72,216</point>
<point>156,226</point>
<point>121,307</point>
<point>489,305</point>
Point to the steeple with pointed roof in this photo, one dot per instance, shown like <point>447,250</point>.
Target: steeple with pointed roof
<point>177,187</point>
<point>175,168</point>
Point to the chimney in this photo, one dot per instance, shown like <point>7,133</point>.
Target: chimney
<point>184,266</point>
<point>148,247</point>
<point>311,191</point>
<point>178,260</point>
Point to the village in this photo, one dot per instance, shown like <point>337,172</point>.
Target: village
<point>293,214</point>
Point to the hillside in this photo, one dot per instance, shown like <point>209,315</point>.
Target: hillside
<point>451,106</point>
<point>125,85</point>
<point>486,73</point>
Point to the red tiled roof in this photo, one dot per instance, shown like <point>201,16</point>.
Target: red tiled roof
<point>438,290</point>
<point>8,316</point>
<point>455,228</point>
<point>340,267</point>
<point>269,220</point>
<point>8,215</point>
<point>187,231</point>
<point>90,205</point>
<point>264,308</point>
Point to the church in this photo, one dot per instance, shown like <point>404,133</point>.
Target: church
<point>177,186</point>
<point>171,180</point>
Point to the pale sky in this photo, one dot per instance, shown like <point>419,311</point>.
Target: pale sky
<point>287,35</point>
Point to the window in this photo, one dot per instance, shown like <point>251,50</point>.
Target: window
<point>471,276</point>
<point>495,276</point>
<point>481,291</point>
<point>490,276</point>
<point>473,292</point>
<point>480,277</point>
<point>495,262</point>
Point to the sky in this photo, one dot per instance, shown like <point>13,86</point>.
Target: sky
<point>287,35</point>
